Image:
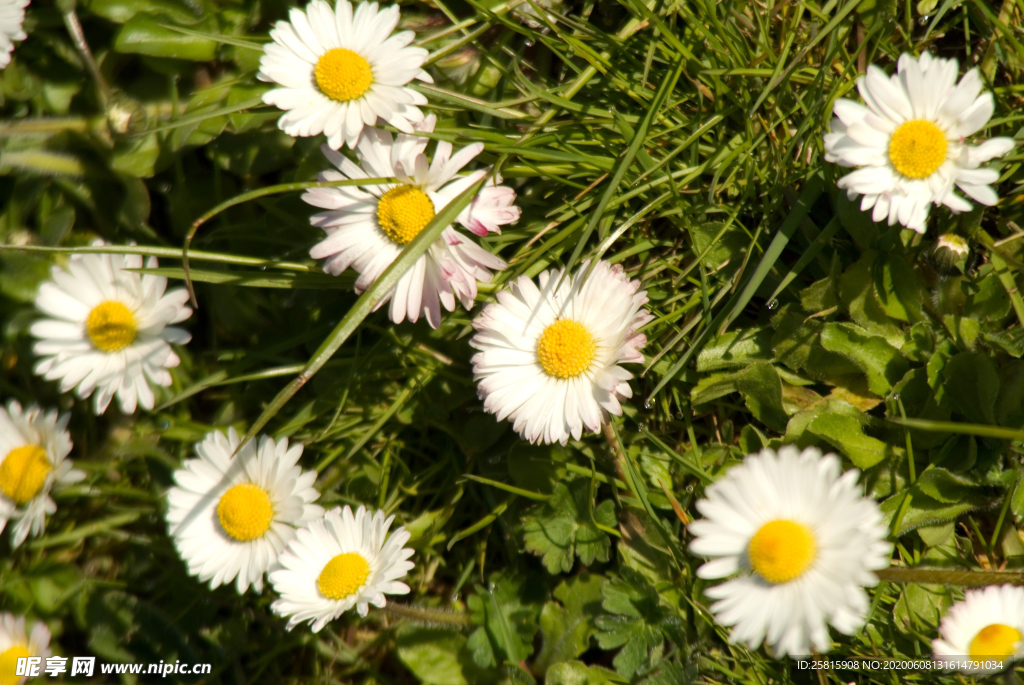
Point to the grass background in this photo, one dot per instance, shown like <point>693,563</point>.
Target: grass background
<point>680,139</point>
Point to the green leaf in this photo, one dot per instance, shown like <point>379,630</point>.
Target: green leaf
<point>564,527</point>
<point>896,288</point>
<point>578,673</point>
<point>990,302</point>
<point>718,244</point>
<point>823,294</point>
<point>736,348</point>
<point>507,615</point>
<point>760,386</point>
<point>944,486</point>
<point>920,608</point>
<point>846,434</point>
<point>881,362</point>
<point>144,34</point>
<point>567,627</point>
<point>971,380</point>
<point>438,657</point>
<point>638,622</point>
<point>857,295</point>
<point>925,511</point>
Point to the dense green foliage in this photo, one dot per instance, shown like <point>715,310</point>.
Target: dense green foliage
<point>680,139</point>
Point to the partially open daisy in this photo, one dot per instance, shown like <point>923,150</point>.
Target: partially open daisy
<point>339,72</point>
<point>110,331</point>
<point>988,626</point>
<point>341,561</point>
<point>801,541</point>
<point>368,227</point>
<point>550,356</point>
<point>12,16</point>
<point>909,141</point>
<point>33,451</point>
<point>16,644</point>
<point>232,516</point>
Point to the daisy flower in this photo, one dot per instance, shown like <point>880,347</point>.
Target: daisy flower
<point>109,332</point>
<point>341,561</point>
<point>231,516</point>
<point>368,227</point>
<point>801,541</point>
<point>340,71</point>
<point>33,451</point>
<point>987,626</point>
<point>909,141</point>
<point>12,16</point>
<point>16,644</point>
<point>550,356</point>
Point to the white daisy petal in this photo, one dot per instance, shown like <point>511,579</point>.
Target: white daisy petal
<point>367,228</point>
<point>15,642</point>
<point>907,145</point>
<point>801,541</point>
<point>340,71</point>
<point>12,16</point>
<point>549,357</point>
<point>33,462</point>
<point>987,626</point>
<point>231,514</point>
<point>117,345</point>
<point>340,562</point>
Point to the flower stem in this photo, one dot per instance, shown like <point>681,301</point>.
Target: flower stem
<point>424,615</point>
<point>940,577</point>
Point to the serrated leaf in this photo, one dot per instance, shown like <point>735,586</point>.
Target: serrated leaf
<point>567,627</point>
<point>562,527</point>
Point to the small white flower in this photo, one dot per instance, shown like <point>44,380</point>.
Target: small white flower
<point>12,16</point>
<point>110,331</point>
<point>339,562</point>
<point>987,626</point>
<point>339,72</point>
<point>909,141</point>
<point>33,451</point>
<point>232,516</point>
<point>550,356</point>
<point>802,541</point>
<point>15,644</point>
<point>368,227</point>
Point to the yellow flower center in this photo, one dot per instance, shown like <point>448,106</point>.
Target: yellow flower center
<point>996,640</point>
<point>111,326</point>
<point>918,148</point>
<point>343,575</point>
<point>23,472</point>
<point>782,550</point>
<point>343,75</point>
<point>403,212</point>
<point>9,664</point>
<point>565,349</point>
<point>245,512</point>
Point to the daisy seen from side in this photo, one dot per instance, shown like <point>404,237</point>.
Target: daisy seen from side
<point>987,626</point>
<point>33,462</point>
<point>367,227</point>
<point>231,516</point>
<point>344,560</point>
<point>109,330</point>
<point>12,17</point>
<point>799,542</point>
<point>550,352</point>
<point>15,644</point>
<point>339,70</point>
<point>908,141</point>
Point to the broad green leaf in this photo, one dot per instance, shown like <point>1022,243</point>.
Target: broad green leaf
<point>145,35</point>
<point>564,527</point>
<point>438,657</point>
<point>972,382</point>
<point>990,302</point>
<point>920,608</point>
<point>736,348</point>
<point>760,386</point>
<point>718,244</point>
<point>578,673</point>
<point>797,344</point>
<point>507,615</point>
<point>567,627</point>
<point>1010,403</point>
<point>896,288</point>
<point>925,511</point>
<point>857,295</point>
<point>823,294</point>
<point>846,434</point>
<point>881,362</point>
<point>944,486</point>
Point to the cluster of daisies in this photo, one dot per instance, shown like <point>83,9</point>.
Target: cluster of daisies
<point>794,537</point>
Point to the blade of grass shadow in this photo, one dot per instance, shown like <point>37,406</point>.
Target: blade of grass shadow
<point>366,303</point>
